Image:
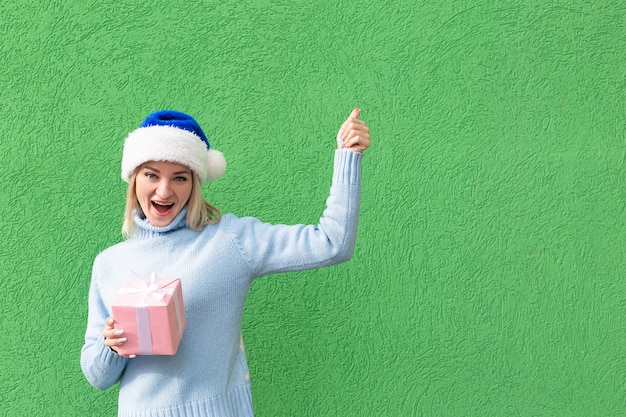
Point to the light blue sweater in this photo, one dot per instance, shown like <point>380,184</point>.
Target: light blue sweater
<point>208,376</point>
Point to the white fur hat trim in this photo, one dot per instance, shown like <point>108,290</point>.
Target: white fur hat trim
<point>171,144</point>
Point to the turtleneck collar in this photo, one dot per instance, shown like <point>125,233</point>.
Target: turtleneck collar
<point>146,229</point>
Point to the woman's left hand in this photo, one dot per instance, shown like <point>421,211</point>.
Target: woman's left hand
<point>354,134</point>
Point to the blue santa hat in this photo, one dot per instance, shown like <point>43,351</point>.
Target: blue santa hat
<point>172,136</point>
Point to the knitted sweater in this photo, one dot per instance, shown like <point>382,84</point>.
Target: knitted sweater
<point>208,376</point>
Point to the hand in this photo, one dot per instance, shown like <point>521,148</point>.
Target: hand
<point>113,337</point>
<point>354,134</point>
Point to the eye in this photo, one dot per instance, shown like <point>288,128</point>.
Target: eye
<point>150,175</point>
<point>180,179</point>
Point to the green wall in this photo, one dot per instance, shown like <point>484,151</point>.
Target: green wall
<point>488,278</point>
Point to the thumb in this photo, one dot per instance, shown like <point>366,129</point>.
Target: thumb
<point>355,113</point>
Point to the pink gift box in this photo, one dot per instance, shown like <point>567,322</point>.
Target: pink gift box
<point>152,315</point>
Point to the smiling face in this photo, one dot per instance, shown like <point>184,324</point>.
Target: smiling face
<point>163,189</point>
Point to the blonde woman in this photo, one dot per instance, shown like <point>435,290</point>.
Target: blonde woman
<point>170,229</point>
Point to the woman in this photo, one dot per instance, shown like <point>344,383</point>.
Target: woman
<point>173,231</point>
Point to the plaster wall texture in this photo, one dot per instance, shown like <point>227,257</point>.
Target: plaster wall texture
<point>488,278</point>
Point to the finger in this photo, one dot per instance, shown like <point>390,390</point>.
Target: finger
<point>113,345</point>
<point>355,124</point>
<point>354,130</point>
<point>120,341</point>
<point>354,115</point>
<point>109,329</point>
<point>358,141</point>
<point>342,130</point>
<point>113,342</point>
<point>350,128</point>
<point>113,333</point>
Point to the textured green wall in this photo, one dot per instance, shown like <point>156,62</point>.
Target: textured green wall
<point>488,278</point>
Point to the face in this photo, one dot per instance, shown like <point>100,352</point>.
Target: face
<point>163,189</point>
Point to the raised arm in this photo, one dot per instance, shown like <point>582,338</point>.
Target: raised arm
<point>268,248</point>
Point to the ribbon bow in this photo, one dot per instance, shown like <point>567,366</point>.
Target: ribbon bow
<point>149,287</point>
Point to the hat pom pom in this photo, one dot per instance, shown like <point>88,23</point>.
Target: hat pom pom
<point>216,164</point>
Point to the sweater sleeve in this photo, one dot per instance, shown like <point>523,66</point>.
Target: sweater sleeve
<point>101,366</point>
<point>271,249</point>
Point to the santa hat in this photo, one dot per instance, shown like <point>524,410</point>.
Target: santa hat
<point>172,136</point>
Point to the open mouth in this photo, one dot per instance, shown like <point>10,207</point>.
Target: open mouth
<point>162,208</point>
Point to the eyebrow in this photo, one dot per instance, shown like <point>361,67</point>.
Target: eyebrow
<point>174,173</point>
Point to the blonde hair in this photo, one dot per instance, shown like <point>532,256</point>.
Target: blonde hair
<point>199,212</point>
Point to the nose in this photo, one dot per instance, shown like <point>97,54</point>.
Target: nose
<point>164,190</point>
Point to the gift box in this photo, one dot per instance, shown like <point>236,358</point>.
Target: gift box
<point>152,315</point>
